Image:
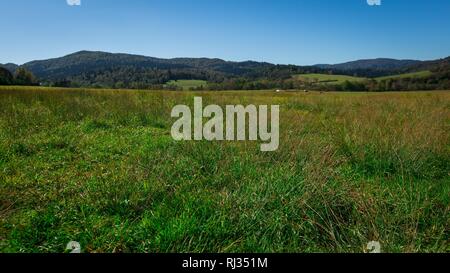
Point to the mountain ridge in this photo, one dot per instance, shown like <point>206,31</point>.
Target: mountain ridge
<point>121,70</point>
<point>375,64</point>
<point>136,59</point>
<point>10,66</point>
<point>84,61</point>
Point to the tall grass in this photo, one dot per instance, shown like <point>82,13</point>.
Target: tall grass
<point>100,167</point>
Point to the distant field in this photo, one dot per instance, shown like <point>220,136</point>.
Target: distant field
<point>188,84</point>
<point>339,79</point>
<point>420,74</point>
<point>326,79</point>
<point>100,167</point>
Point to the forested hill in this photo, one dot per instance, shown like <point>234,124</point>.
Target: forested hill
<point>111,70</point>
<point>9,66</point>
<point>88,67</point>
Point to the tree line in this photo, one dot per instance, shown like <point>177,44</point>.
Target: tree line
<point>264,78</point>
<point>20,77</point>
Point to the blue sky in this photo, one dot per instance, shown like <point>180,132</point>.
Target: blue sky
<point>279,31</point>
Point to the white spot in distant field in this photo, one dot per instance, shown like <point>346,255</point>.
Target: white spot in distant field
<point>75,247</point>
<point>74,2</point>
<point>374,247</point>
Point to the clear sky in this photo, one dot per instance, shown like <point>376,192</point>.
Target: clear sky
<point>279,31</point>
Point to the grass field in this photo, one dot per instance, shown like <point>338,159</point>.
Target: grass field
<point>421,74</point>
<point>339,79</point>
<point>327,79</point>
<point>100,167</point>
<point>188,84</point>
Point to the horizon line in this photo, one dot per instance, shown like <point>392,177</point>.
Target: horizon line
<point>226,60</point>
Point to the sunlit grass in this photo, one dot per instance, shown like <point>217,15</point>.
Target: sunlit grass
<point>187,84</point>
<point>327,79</point>
<point>100,167</point>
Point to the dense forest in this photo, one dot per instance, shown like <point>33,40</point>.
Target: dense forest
<point>20,77</point>
<point>108,70</point>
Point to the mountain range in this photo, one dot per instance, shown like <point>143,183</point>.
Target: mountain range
<point>88,68</point>
<point>94,60</point>
<point>84,61</point>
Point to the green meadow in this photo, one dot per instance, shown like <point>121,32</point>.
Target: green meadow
<point>100,167</point>
<point>420,74</point>
<point>326,79</point>
<point>187,84</point>
<point>339,79</point>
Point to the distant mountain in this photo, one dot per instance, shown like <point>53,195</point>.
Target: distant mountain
<point>435,65</point>
<point>97,62</point>
<point>93,68</point>
<point>10,66</point>
<point>90,61</point>
<point>380,64</point>
<point>118,70</point>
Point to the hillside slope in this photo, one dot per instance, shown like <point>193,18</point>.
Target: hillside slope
<point>84,61</point>
<point>383,64</point>
<point>118,70</point>
<point>10,66</point>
